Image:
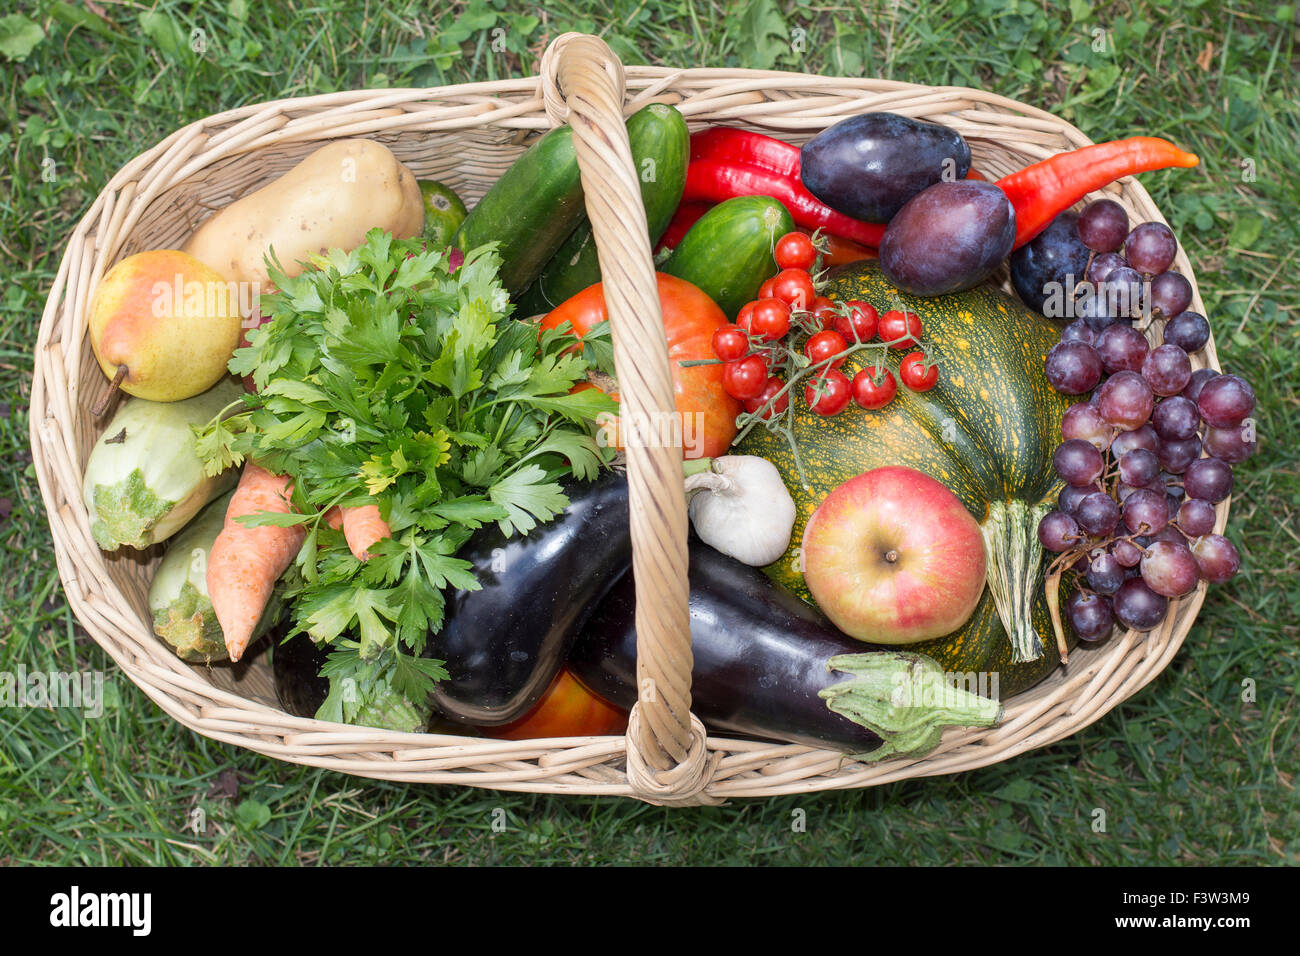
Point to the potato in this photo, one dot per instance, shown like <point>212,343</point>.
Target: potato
<point>331,199</point>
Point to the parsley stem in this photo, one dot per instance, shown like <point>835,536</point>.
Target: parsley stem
<point>505,419</point>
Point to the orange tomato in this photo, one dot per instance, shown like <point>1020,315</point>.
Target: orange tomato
<point>567,709</point>
<point>690,319</point>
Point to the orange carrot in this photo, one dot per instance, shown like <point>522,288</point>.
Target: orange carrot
<point>362,526</point>
<point>245,563</point>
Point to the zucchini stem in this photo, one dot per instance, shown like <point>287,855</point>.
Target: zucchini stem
<point>905,699</point>
<point>1015,569</point>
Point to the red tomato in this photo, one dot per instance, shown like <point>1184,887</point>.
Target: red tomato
<point>823,345</point>
<point>745,317</point>
<point>794,250</point>
<point>870,394</point>
<point>903,329</point>
<point>916,374</point>
<point>860,323</point>
<point>838,251</point>
<point>772,386</point>
<point>745,377</point>
<point>567,709</point>
<point>794,287</point>
<point>824,310</point>
<point>771,319</point>
<point>765,290</point>
<point>690,319</point>
<point>828,393</point>
<point>730,343</point>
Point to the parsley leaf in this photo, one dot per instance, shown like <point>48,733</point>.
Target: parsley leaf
<point>384,377</point>
<point>526,495</point>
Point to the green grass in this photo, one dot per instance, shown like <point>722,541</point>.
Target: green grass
<point>1185,772</point>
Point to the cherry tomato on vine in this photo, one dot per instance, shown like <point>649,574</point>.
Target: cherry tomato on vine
<point>794,250</point>
<point>765,290</point>
<point>772,386</point>
<point>915,374</point>
<point>771,319</point>
<point>745,315</point>
<point>730,343</point>
<point>794,287</point>
<point>828,393</point>
<point>823,309</point>
<point>860,323</point>
<point>903,329</point>
<point>822,345</point>
<point>744,378</point>
<point>871,394</point>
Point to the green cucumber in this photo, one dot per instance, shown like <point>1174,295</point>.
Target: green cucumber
<point>661,148</point>
<point>530,210</point>
<point>728,252</point>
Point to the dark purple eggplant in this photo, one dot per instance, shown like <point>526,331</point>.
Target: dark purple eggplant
<point>868,166</point>
<point>296,665</point>
<point>503,644</point>
<point>762,667</point>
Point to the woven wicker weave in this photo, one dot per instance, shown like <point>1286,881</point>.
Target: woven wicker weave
<point>466,136</point>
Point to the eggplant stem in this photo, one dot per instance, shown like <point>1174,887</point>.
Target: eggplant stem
<point>905,699</point>
<point>1015,568</point>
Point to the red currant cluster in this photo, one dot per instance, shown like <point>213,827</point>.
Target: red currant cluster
<point>760,367</point>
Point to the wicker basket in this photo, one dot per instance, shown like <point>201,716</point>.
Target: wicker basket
<point>467,136</point>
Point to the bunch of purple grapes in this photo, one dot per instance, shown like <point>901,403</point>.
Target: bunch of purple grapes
<point>1149,455</point>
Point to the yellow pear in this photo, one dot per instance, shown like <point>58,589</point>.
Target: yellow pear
<point>163,325</point>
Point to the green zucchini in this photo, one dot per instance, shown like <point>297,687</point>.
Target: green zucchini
<point>728,252</point>
<point>530,210</point>
<point>660,150</point>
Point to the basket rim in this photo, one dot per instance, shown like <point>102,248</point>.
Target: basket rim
<point>309,741</point>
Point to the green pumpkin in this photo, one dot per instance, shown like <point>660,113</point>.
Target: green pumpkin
<point>987,431</point>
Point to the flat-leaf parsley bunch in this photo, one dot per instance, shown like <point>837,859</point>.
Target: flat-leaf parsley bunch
<point>385,377</point>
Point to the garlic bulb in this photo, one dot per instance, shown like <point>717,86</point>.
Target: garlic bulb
<point>741,507</point>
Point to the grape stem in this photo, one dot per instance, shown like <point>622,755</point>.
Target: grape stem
<point>1053,585</point>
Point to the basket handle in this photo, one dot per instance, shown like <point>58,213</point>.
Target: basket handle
<point>667,757</point>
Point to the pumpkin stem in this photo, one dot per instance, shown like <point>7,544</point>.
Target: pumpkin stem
<point>905,699</point>
<point>1015,568</point>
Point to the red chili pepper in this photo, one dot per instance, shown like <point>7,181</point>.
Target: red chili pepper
<point>841,251</point>
<point>741,146</point>
<point>687,214</point>
<point>716,180</point>
<point>1041,192</point>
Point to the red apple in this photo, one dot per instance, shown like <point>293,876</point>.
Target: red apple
<point>893,557</point>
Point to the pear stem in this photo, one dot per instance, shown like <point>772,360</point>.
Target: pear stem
<point>102,404</point>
